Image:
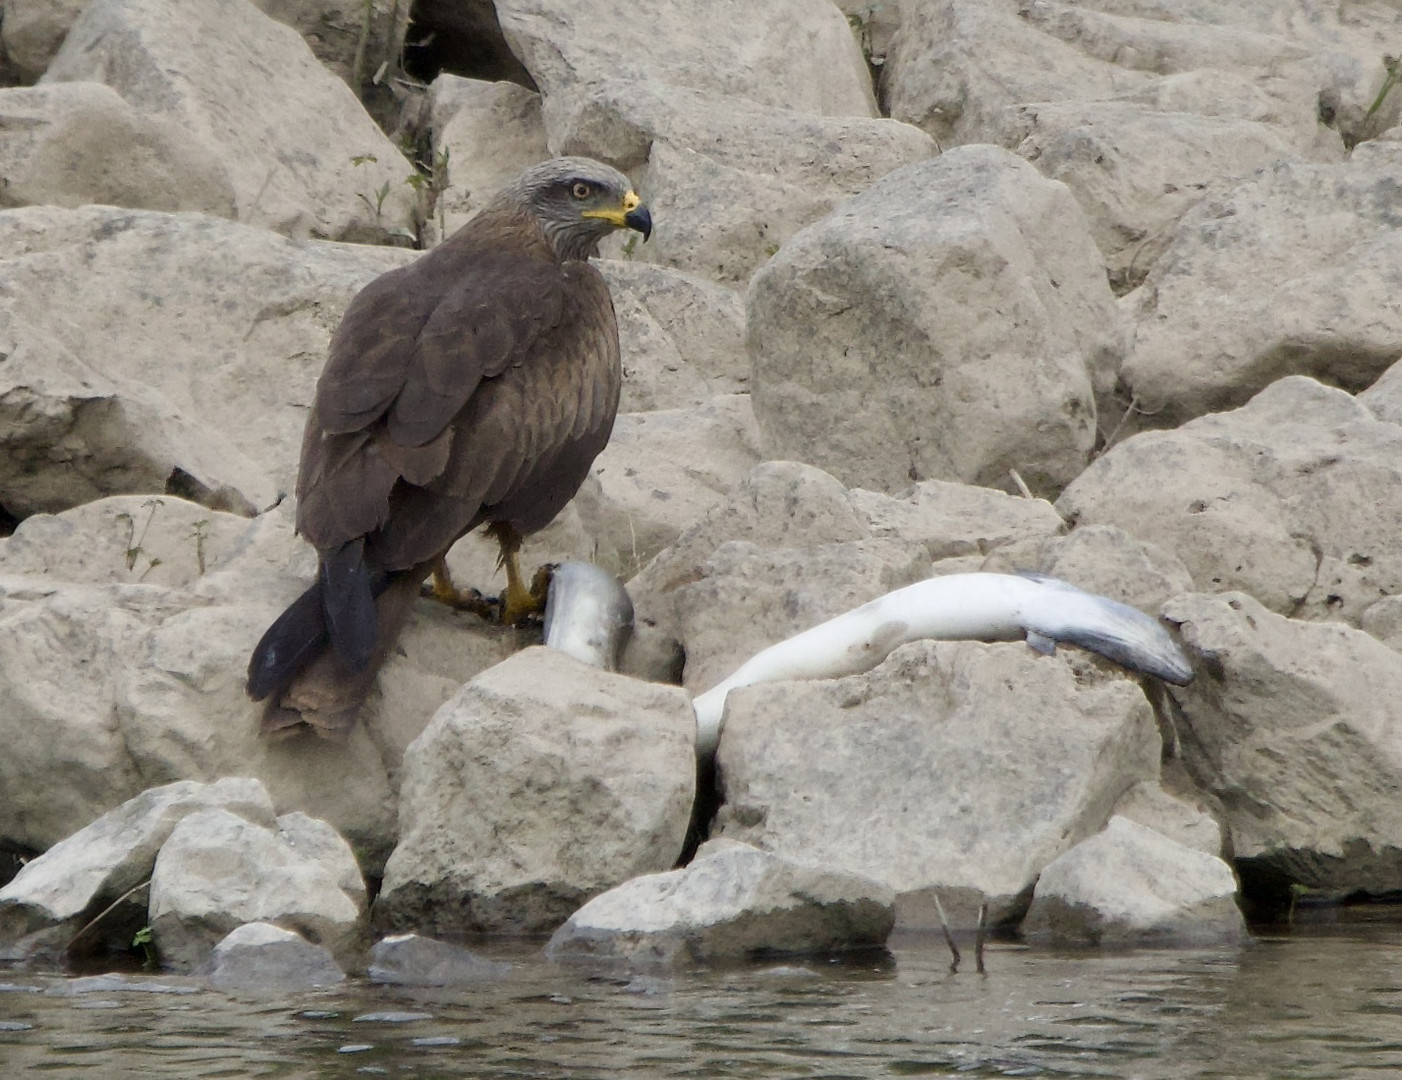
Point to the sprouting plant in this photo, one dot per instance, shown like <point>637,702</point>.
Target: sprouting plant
<point>364,159</point>
<point>134,542</point>
<point>1393,66</point>
<point>145,942</point>
<point>378,205</point>
<point>199,530</point>
<point>629,245</point>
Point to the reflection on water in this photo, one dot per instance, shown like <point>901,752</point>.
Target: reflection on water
<point>1311,1005</point>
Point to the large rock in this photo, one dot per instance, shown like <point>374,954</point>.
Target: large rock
<point>122,658</point>
<point>800,55</point>
<point>961,68</point>
<point>1101,559</point>
<point>1293,498</point>
<point>484,134</point>
<point>952,322</point>
<point>958,67</point>
<point>217,871</point>
<point>954,769</point>
<point>33,30</point>
<point>1297,270</point>
<point>1136,170</point>
<point>1172,815</point>
<point>953,520</point>
<point>1131,886</point>
<point>682,337</point>
<point>258,957</point>
<point>662,471</point>
<point>413,960</point>
<point>540,784</point>
<point>747,597</point>
<point>301,154</point>
<point>76,143</point>
<point>1293,727</point>
<point>731,901</point>
<point>184,360</point>
<point>780,505</point>
<point>105,860</point>
<point>731,179</point>
<point>351,37</point>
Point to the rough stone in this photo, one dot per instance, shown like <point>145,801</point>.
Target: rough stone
<point>1384,396</point>
<point>1320,249</point>
<point>542,782</point>
<point>258,958</point>
<point>486,133</point>
<point>952,322</point>
<point>731,901</point>
<point>1101,559</point>
<point>68,144</point>
<point>316,840</point>
<point>748,597</point>
<point>107,682</point>
<point>217,871</point>
<point>412,960</point>
<point>953,769</point>
<point>660,472</point>
<point>185,360</point>
<point>301,154</point>
<point>1131,886</point>
<point>1292,727</point>
<point>104,860</point>
<point>731,179</point>
<point>1182,821</point>
<point>682,337</point>
<point>961,68</point>
<point>781,504</point>
<point>800,56</point>
<point>1294,498</point>
<point>953,520</point>
<point>32,31</point>
<point>126,539</point>
<point>1136,170</point>
<point>340,31</point>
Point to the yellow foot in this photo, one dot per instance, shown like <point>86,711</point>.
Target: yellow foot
<point>441,588</point>
<point>520,603</point>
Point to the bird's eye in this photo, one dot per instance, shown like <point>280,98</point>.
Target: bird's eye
<point>581,190</point>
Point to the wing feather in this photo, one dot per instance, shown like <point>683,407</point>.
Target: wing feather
<point>503,395</point>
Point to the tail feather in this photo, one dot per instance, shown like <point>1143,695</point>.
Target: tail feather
<point>348,601</point>
<point>293,641</point>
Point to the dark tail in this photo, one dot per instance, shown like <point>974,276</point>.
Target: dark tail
<point>294,640</point>
<point>339,610</point>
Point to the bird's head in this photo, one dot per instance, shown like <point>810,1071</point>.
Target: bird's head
<point>579,201</point>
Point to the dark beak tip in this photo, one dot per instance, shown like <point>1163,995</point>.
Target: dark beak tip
<point>640,221</point>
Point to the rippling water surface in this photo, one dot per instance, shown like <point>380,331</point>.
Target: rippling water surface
<point>1325,1005</point>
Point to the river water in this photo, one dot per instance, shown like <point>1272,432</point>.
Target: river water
<point>1320,1003</point>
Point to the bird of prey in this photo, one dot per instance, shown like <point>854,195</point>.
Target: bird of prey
<point>472,387</point>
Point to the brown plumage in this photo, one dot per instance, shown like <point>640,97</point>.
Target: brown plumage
<point>474,386</point>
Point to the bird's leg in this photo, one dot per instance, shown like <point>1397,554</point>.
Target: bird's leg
<point>519,601</point>
<point>444,591</point>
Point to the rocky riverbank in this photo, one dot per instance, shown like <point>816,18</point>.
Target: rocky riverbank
<point>1091,289</point>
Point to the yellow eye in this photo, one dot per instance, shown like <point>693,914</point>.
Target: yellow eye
<point>581,190</point>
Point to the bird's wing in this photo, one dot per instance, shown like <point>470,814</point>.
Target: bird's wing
<point>409,354</point>
<point>525,441</point>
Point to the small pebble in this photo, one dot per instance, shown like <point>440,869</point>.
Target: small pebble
<point>355,1048</point>
<point>390,1017</point>
<point>15,1025</point>
<point>436,1040</point>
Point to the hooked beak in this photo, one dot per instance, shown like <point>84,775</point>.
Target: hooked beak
<point>631,214</point>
